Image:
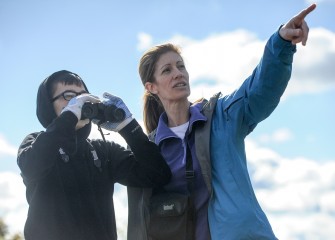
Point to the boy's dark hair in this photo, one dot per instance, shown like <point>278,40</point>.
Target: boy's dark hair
<point>45,111</point>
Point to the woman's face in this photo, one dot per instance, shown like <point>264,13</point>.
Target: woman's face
<point>171,78</point>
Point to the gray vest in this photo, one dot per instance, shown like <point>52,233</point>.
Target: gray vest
<point>139,198</point>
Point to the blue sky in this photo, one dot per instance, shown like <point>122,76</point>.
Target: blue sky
<point>291,154</point>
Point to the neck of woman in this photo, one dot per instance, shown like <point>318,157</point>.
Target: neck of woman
<point>177,113</point>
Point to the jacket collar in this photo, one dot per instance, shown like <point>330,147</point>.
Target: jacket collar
<point>164,132</point>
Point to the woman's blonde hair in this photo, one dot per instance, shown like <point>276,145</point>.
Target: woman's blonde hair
<point>152,106</point>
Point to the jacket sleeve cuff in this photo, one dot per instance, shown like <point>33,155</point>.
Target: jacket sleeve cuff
<point>65,123</point>
<point>133,132</point>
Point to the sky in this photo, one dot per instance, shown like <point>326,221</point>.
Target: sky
<point>291,154</point>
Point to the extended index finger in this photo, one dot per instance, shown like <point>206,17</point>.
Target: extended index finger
<point>306,11</point>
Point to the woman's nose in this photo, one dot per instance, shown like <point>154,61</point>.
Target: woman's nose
<point>178,73</point>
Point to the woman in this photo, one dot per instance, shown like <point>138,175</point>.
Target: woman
<point>214,131</point>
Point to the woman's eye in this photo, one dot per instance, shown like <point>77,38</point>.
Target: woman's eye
<point>167,70</point>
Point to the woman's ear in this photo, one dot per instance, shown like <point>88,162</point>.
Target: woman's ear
<point>150,87</point>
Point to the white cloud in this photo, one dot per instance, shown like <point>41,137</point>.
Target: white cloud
<point>280,135</point>
<point>313,66</point>
<point>109,135</point>
<point>121,210</point>
<point>13,206</point>
<point>6,148</point>
<point>319,1</point>
<point>144,41</point>
<point>221,62</point>
<point>315,226</point>
<point>297,194</point>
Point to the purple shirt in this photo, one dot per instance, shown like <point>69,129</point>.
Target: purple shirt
<point>173,150</point>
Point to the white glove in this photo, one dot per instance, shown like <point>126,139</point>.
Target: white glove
<point>76,104</point>
<point>117,102</point>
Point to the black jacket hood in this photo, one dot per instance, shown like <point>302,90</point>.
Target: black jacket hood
<point>44,107</point>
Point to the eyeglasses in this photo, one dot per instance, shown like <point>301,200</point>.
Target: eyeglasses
<point>68,95</point>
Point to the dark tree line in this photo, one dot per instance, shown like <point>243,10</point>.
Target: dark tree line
<point>4,232</point>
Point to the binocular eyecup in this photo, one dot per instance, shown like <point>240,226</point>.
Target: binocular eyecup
<point>102,112</point>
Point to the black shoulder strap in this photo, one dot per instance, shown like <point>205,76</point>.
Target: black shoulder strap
<point>189,172</point>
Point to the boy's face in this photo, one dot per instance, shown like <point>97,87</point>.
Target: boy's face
<point>60,103</point>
